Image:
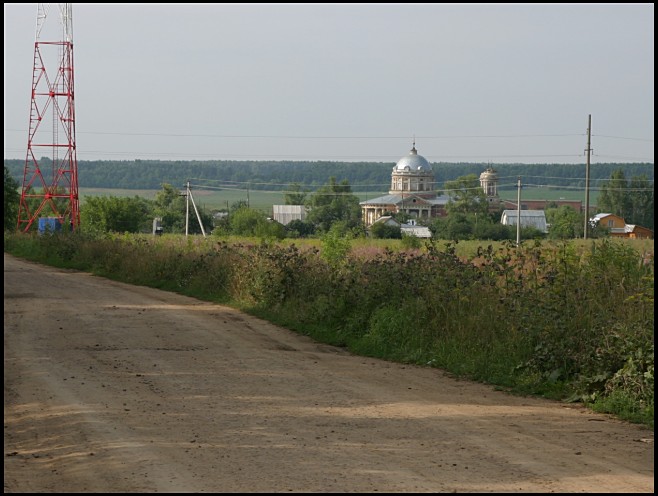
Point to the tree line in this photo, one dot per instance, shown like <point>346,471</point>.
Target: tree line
<point>278,175</point>
<point>627,191</point>
<point>335,208</point>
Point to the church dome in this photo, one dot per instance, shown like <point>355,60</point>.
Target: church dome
<point>489,174</point>
<point>413,163</point>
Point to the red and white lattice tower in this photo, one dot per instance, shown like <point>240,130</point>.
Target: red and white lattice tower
<point>50,181</point>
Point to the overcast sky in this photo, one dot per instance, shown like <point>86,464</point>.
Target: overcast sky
<point>481,83</point>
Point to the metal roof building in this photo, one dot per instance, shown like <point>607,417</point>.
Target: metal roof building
<point>529,218</point>
<point>284,214</point>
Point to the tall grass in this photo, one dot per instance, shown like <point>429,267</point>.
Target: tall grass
<point>566,320</point>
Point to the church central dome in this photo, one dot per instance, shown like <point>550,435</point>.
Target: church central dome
<point>413,163</point>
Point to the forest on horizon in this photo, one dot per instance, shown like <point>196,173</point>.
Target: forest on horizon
<point>310,175</point>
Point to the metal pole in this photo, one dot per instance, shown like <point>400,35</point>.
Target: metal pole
<point>187,208</point>
<point>518,211</point>
<point>589,138</point>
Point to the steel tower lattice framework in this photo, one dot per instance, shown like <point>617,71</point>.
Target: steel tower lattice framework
<point>50,180</point>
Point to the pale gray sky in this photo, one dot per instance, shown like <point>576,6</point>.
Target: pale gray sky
<point>483,83</point>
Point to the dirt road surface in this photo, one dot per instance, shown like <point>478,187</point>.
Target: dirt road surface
<point>110,387</point>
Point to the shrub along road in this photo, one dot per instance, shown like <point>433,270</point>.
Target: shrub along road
<point>117,388</point>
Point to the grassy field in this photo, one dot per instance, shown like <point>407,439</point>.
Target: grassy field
<point>205,199</point>
<point>263,200</point>
<point>464,249</point>
<point>537,193</point>
<point>212,199</point>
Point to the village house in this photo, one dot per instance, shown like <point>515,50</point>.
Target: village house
<point>618,228</point>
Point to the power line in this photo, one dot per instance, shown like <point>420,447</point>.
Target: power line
<point>256,183</point>
<point>289,136</point>
<point>582,188</point>
<point>294,136</point>
<point>296,156</point>
<point>622,138</point>
<point>622,156</point>
<point>565,178</point>
<point>474,188</point>
<point>316,157</point>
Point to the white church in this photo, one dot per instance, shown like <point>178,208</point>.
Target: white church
<point>413,191</point>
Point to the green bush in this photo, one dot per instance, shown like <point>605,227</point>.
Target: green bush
<point>567,320</point>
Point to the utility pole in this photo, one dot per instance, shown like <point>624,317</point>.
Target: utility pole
<point>188,194</point>
<point>518,211</point>
<point>187,208</point>
<point>588,150</point>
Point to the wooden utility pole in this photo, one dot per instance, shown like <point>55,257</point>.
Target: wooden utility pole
<point>588,150</point>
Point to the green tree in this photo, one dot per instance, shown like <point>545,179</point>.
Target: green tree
<point>381,230</point>
<point>336,244</point>
<point>295,195</point>
<point>631,200</point>
<point>237,205</point>
<point>244,221</point>
<point>271,229</point>
<point>115,214</point>
<point>249,222</point>
<point>565,223</point>
<point>466,196</point>
<point>149,174</point>
<point>171,206</point>
<point>334,202</point>
<point>12,199</point>
<point>300,229</point>
<point>613,198</point>
<point>487,229</point>
<point>411,241</point>
<point>641,201</point>
<point>402,217</point>
<point>455,227</point>
<point>35,201</point>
